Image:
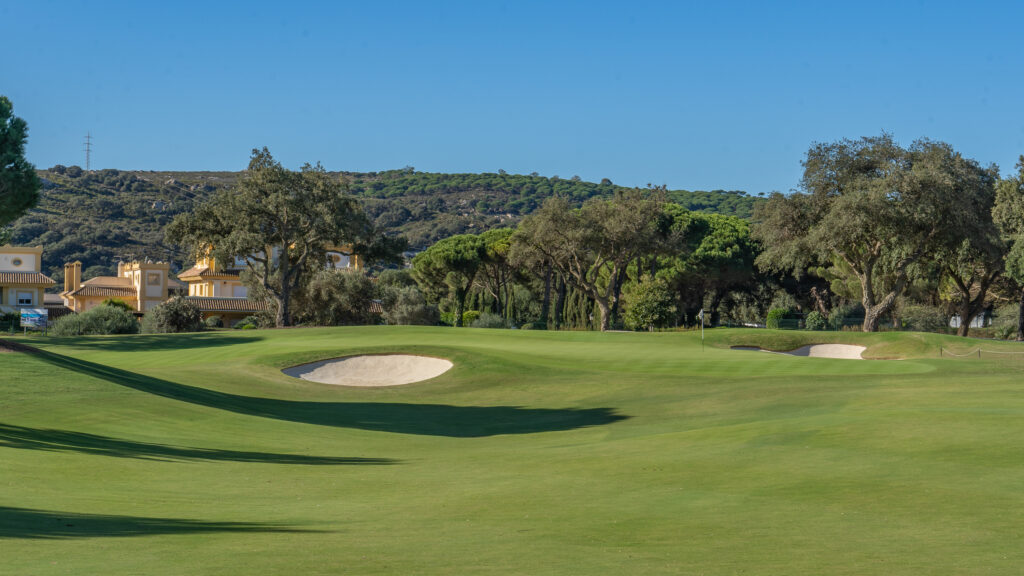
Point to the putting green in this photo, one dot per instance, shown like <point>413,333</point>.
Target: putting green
<point>537,453</point>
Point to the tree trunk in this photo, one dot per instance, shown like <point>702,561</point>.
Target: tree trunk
<point>871,318</point>
<point>606,314</point>
<point>1020,318</point>
<point>560,302</point>
<point>460,305</point>
<point>545,305</point>
<point>284,311</point>
<point>967,314</point>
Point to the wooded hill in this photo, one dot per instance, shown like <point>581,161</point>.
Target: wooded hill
<point>103,216</point>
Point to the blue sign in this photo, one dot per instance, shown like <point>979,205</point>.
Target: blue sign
<point>34,318</point>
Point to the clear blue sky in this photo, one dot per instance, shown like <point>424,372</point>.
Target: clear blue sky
<point>696,95</point>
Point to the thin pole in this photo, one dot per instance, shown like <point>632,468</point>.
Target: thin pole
<point>702,330</point>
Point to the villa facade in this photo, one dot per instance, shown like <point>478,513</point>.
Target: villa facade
<point>22,283</point>
<point>143,285</point>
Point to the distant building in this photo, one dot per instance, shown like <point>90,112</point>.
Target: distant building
<point>22,283</point>
<point>217,289</point>
<point>143,285</point>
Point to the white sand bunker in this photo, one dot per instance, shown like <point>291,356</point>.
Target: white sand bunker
<point>372,370</point>
<point>841,351</point>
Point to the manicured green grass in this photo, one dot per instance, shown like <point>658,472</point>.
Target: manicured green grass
<point>539,453</point>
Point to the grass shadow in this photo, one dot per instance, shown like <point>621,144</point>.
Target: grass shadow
<point>144,342</point>
<point>50,440</point>
<point>46,524</point>
<point>423,419</point>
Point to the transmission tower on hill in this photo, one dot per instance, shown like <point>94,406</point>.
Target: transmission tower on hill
<point>88,150</point>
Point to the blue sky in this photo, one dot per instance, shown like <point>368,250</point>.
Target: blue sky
<point>695,95</point>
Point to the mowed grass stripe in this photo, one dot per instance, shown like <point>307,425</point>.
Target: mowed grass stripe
<point>685,460</point>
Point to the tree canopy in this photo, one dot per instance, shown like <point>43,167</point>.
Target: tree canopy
<point>280,222</point>
<point>19,183</point>
<point>878,207</point>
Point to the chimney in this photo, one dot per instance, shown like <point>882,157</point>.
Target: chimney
<point>72,276</point>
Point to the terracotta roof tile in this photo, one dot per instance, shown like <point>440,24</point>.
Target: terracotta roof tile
<point>214,304</point>
<point>106,291</point>
<point>25,278</point>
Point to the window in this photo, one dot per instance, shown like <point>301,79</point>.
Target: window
<point>24,298</point>
<point>152,279</point>
<point>16,261</point>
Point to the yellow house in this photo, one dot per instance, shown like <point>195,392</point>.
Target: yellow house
<point>143,285</point>
<point>22,283</point>
<point>217,289</point>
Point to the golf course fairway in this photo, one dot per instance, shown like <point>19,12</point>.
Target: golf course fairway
<point>536,453</point>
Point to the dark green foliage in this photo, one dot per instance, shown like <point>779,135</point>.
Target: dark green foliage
<point>118,304</point>
<point>815,321</point>
<point>337,298</point>
<point>883,210</point>
<point>299,214</point>
<point>107,215</point>
<point>922,318</point>
<point>649,304</point>
<point>490,320</point>
<point>250,323</point>
<point>447,270</point>
<point>97,321</point>
<point>174,315</point>
<point>214,322</point>
<point>406,305</point>
<point>19,183</point>
<point>775,316</point>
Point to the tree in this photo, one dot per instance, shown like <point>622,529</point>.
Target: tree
<point>337,298</point>
<point>879,208</point>
<point>448,268</point>
<point>496,275</point>
<point>1009,216</point>
<point>710,255</point>
<point>593,246</point>
<point>280,222</point>
<point>649,304</point>
<point>19,184</point>
<point>175,315</point>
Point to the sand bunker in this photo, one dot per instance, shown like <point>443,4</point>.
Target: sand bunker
<point>842,351</point>
<point>373,370</point>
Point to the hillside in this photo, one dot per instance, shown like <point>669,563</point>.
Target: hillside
<point>103,216</point>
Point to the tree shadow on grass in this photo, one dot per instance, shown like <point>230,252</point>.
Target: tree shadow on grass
<point>93,444</point>
<point>46,524</point>
<point>424,419</point>
<point>144,342</point>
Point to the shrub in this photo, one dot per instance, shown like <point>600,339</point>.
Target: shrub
<point>248,323</point>
<point>336,298</point>
<point>118,304</point>
<point>470,316</point>
<point>922,318</point>
<point>490,320</point>
<point>98,320</point>
<point>775,315</point>
<point>175,315</point>
<point>214,322</point>
<point>406,306</point>
<point>648,304</point>
<point>1004,322</point>
<point>815,321</point>
<point>840,315</point>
